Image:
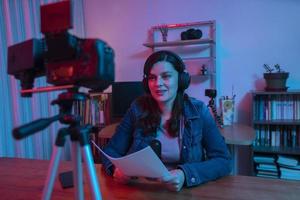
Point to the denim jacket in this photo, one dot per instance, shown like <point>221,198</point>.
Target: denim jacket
<point>204,155</point>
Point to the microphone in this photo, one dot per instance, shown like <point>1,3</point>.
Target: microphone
<point>156,147</point>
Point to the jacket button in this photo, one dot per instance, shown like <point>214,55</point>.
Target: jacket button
<point>184,147</point>
<point>193,180</point>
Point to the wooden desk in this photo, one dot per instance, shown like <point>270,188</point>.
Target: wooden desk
<point>238,134</point>
<point>24,179</point>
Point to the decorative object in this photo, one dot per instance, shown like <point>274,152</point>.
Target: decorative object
<point>275,81</point>
<point>203,70</point>
<point>227,107</point>
<point>164,32</point>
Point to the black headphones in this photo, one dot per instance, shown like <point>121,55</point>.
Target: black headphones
<point>184,77</point>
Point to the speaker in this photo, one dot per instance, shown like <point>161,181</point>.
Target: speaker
<point>184,77</point>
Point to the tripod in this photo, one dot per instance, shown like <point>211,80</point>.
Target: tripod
<point>211,105</point>
<point>79,135</point>
<point>212,93</point>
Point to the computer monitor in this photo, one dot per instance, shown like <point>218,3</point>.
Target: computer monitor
<point>123,94</point>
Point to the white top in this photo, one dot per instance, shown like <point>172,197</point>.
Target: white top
<point>170,151</point>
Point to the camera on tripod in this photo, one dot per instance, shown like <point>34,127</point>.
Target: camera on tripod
<point>60,56</point>
<point>65,60</point>
<point>212,93</point>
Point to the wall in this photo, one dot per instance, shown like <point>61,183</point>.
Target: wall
<point>249,34</point>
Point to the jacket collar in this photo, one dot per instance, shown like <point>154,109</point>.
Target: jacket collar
<point>190,111</point>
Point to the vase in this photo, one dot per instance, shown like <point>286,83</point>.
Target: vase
<point>276,81</point>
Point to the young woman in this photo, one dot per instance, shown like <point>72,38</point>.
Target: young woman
<point>191,144</point>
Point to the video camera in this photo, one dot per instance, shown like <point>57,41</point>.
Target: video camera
<point>63,58</point>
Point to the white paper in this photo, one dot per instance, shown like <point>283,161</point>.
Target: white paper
<point>143,163</point>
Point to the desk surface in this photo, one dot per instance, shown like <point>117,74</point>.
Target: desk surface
<point>238,134</point>
<point>24,179</point>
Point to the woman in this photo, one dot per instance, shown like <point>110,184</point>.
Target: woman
<point>192,146</point>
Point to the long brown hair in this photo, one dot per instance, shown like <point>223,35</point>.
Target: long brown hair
<point>151,113</point>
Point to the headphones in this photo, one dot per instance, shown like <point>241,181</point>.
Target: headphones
<point>184,77</point>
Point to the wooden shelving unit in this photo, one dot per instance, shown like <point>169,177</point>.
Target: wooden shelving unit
<point>276,119</point>
<point>277,150</point>
<point>179,43</point>
<point>205,47</point>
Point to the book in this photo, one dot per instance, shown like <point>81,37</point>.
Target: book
<point>267,173</point>
<point>267,167</point>
<point>264,159</point>
<point>290,171</point>
<point>291,174</point>
<point>290,167</point>
<point>290,177</point>
<point>288,161</point>
<point>267,176</point>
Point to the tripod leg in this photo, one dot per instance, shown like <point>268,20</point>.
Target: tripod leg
<point>77,164</point>
<point>92,176</point>
<point>52,172</point>
<point>212,106</point>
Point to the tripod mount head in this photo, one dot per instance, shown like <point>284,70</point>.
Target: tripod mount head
<point>68,102</point>
<point>211,93</point>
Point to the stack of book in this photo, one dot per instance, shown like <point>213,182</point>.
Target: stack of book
<point>266,166</point>
<point>289,167</point>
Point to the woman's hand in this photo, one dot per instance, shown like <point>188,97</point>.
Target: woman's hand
<point>175,180</point>
<point>120,177</point>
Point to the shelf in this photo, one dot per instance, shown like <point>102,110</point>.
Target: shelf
<point>277,122</point>
<point>202,76</point>
<point>179,43</point>
<point>194,52</point>
<point>185,25</point>
<point>277,150</point>
<point>199,58</point>
<point>288,92</point>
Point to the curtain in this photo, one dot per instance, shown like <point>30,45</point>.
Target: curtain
<point>20,21</point>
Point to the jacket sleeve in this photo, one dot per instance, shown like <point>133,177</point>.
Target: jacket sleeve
<point>121,140</point>
<point>218,161</point>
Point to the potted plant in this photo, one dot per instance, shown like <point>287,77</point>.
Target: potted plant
<point>275,81</point>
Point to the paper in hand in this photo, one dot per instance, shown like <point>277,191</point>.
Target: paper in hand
<point>143,163</point>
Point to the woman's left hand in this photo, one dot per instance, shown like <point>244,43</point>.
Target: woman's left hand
<point>175,180</point>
